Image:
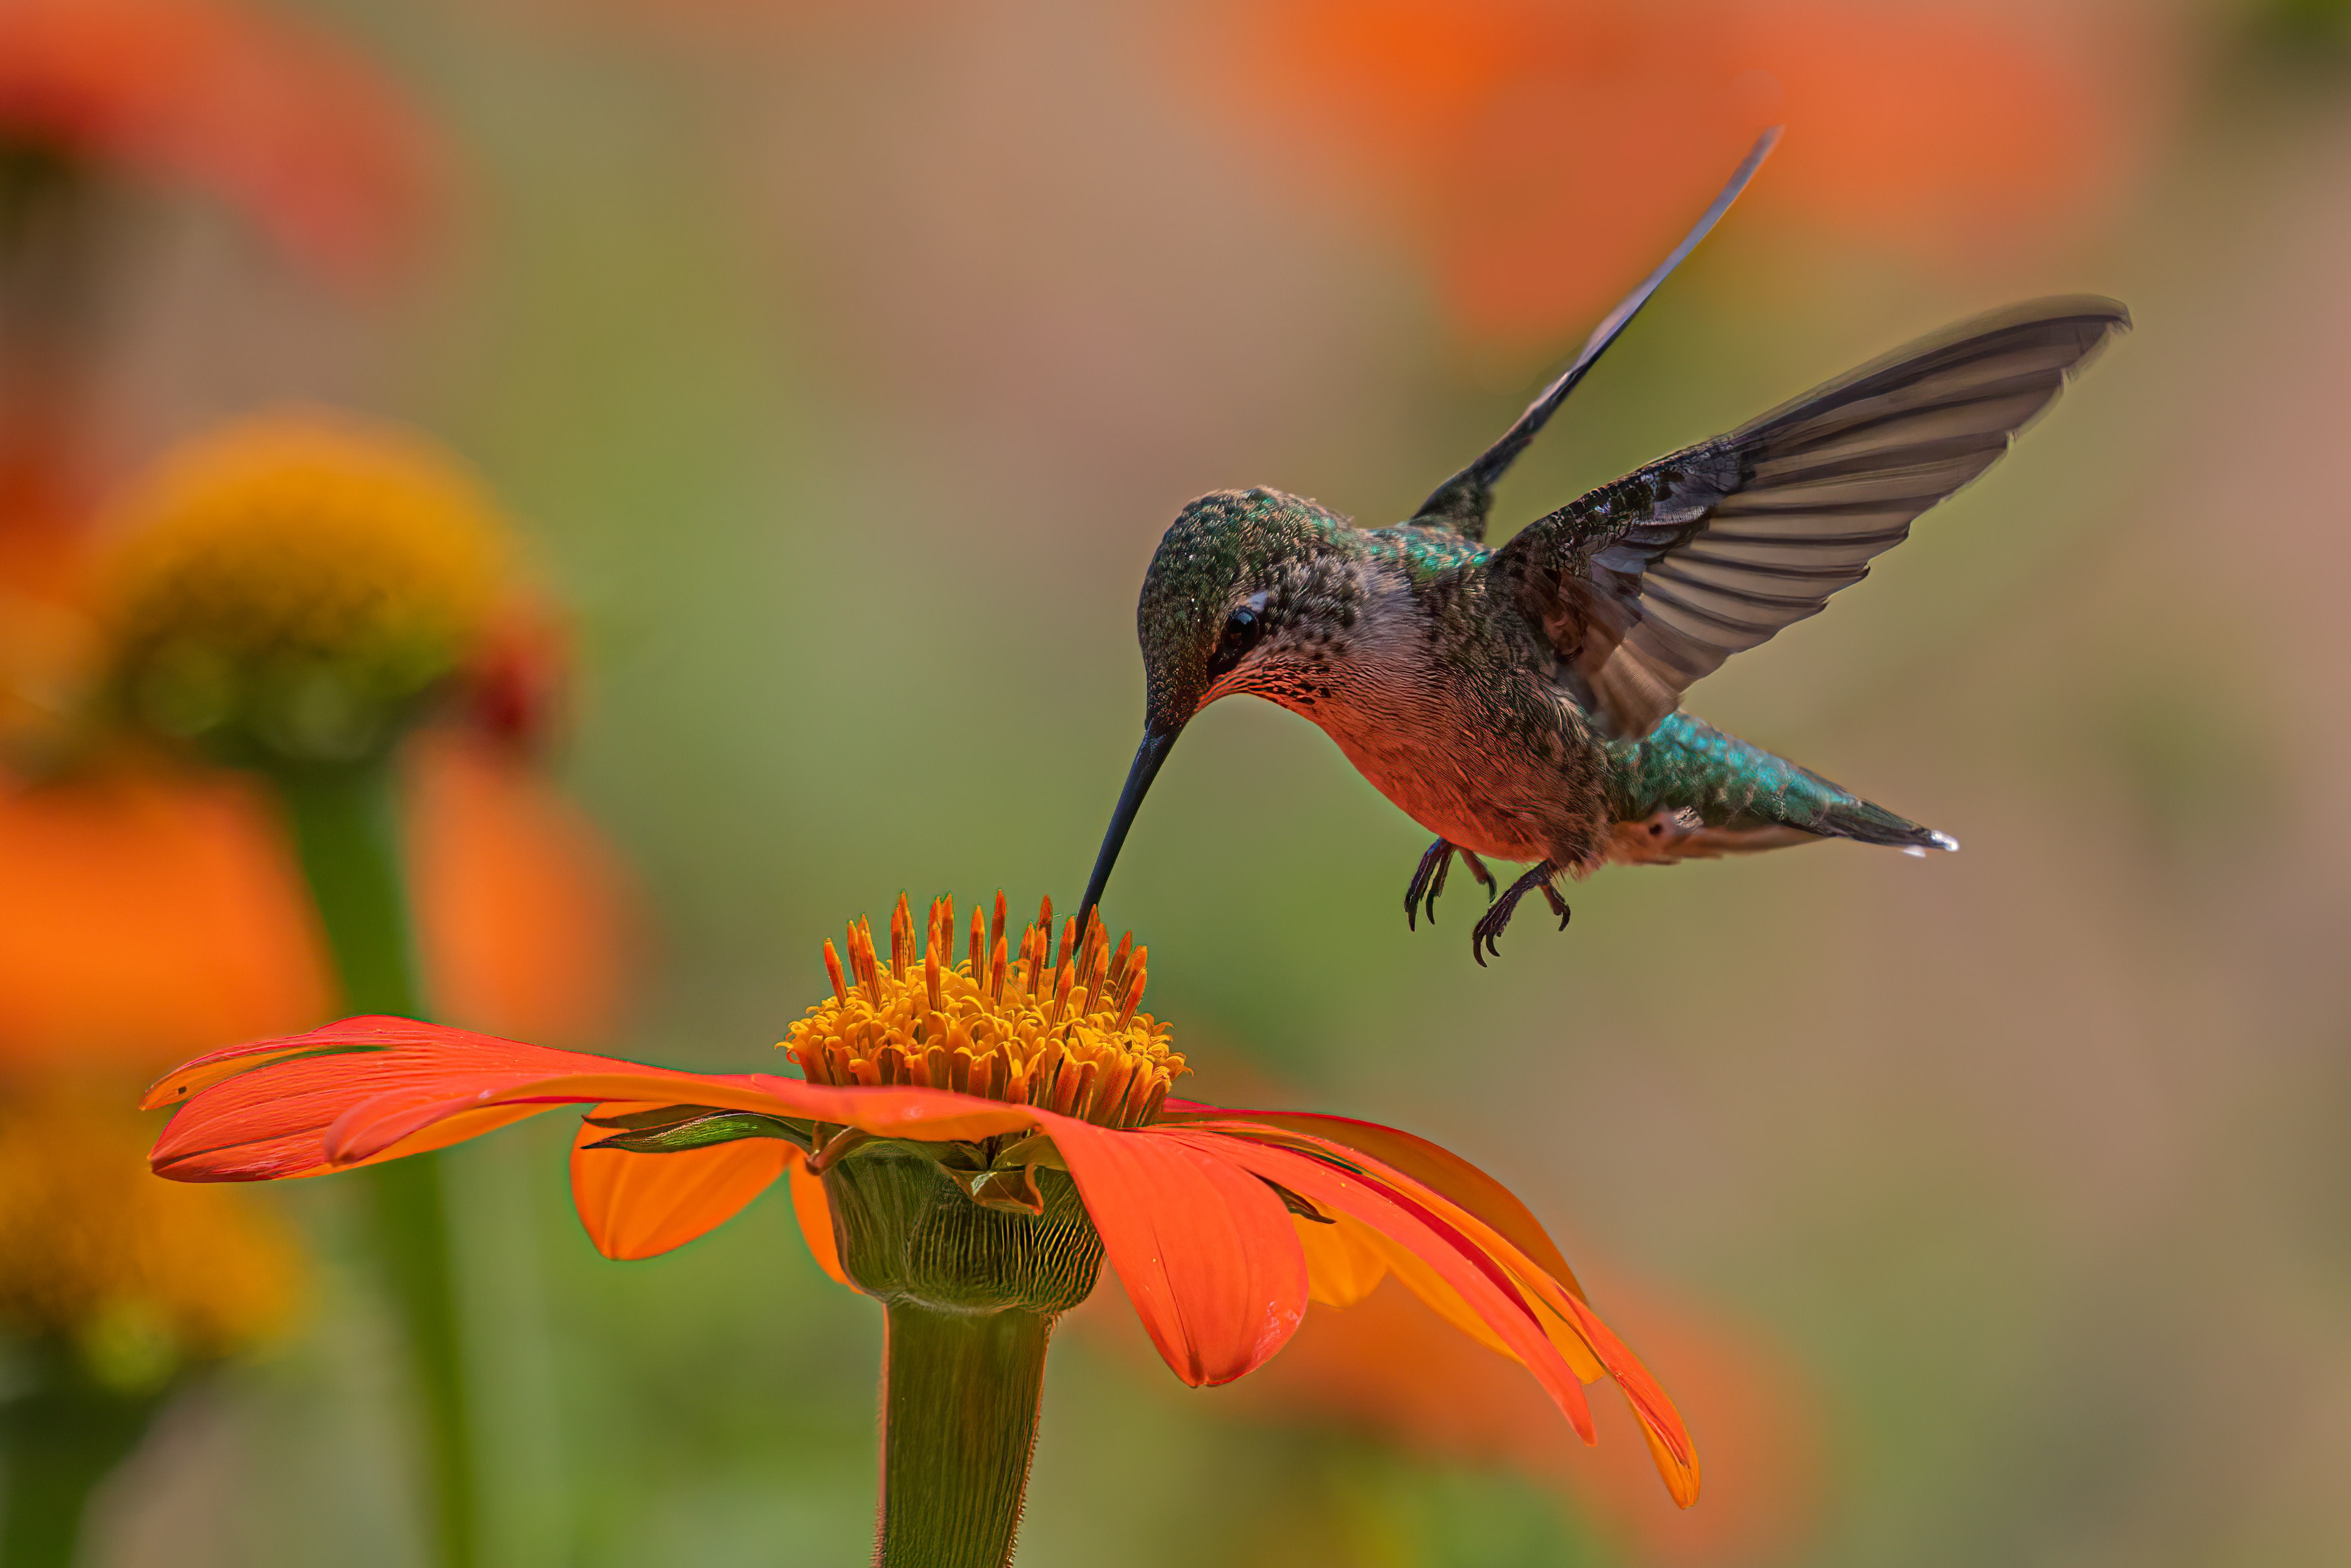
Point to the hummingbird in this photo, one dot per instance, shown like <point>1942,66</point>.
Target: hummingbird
<point>1522,702</point>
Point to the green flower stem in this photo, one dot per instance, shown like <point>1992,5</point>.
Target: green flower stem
<point>346,834</point>
<point>971,1294</point>
<point>959,1395</point>
<point>58,1442</point>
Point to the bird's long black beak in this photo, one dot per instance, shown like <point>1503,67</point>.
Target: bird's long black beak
<point>1156,744</point>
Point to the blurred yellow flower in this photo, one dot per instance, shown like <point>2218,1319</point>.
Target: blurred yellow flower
<point>140,1277</point>
<point>296,580</point>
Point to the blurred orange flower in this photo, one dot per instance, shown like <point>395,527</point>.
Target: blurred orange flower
<point>154,912</point>
<point>147,912</point>
<point>269,113</point>
<point>1388,1368</point>
<point>1542,154</point>
<point>525,912</point>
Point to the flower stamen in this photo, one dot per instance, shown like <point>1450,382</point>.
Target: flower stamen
<point>832,971</point>
<point>1065,1037</point>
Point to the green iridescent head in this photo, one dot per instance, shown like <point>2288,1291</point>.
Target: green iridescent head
<point>1209,598</point>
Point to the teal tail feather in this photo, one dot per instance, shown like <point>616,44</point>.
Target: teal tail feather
<point>1687,791</point>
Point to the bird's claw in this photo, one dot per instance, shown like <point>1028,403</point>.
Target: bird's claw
<point>1484,937</point>
<point>1431,869</point>
<point>1428,881</point>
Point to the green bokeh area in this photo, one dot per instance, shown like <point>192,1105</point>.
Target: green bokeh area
<point>844,375</point>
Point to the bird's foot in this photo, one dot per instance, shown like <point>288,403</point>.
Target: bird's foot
<point>1482,938</point>
<point>1428,881</point>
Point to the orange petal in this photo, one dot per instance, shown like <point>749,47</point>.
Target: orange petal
<point>218,1066</point>
<point>1205,1249</point>
<point>641,1204</point>
<point>367,1130</point>
<point>814,1212</point>
<point>1483,1243</point>
<point>370,1088</point>
<point>1503,1312</point>
<point>1439,1296</point>
<point>1572,1329</point>
<point>1570,1326</point>
<point>1438,1168</point>
<point>259,1110</point>
<point>1342,1265</point>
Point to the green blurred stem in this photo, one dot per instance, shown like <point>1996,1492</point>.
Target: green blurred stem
<point>347,833</point>
<point>959,1393</point>
<point>57,1443</point>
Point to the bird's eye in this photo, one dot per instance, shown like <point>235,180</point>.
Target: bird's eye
<point>1242,629</point>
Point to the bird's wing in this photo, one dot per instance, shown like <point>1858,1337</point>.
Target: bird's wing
<point>1461,503</point>
<point>1651,581</point>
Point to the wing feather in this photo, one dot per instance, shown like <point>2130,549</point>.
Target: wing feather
<point>1650,582</point>
<point>1461,503</point>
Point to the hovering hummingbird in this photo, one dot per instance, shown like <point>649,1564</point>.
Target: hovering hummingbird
<point>1521,701</point>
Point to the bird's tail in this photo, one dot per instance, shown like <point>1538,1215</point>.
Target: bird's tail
<point>1689,791</point>
<point>1851,817</point>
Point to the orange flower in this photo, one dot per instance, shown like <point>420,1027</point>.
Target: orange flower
<point>1539,155</point>
<point>273,115</point>
<point>1220,1224</point>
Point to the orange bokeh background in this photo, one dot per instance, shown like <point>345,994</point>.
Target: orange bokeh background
<point>1541,156</point>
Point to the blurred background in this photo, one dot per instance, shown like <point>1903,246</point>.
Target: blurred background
<point>838,366</point>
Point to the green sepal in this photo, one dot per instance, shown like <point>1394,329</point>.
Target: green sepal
<point>659,1116</point>
<point>700,1132</point>
<point>1035,1149</point>
<point>1005,1180</point>
<point>1012,1189</point>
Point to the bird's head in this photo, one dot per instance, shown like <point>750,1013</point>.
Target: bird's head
<point>1232,575</point>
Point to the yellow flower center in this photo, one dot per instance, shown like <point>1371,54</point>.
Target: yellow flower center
<point>1001,1023</point>
<point>298,572</point>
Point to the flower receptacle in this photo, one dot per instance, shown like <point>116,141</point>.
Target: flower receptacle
<point>909,1231</point>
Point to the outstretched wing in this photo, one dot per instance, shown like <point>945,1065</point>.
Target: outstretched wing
<point>1461,503</point>
<point>1651,581</point>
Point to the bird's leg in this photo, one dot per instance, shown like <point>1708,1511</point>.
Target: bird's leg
<point>1428,881</point>
<point>1482,938</point>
